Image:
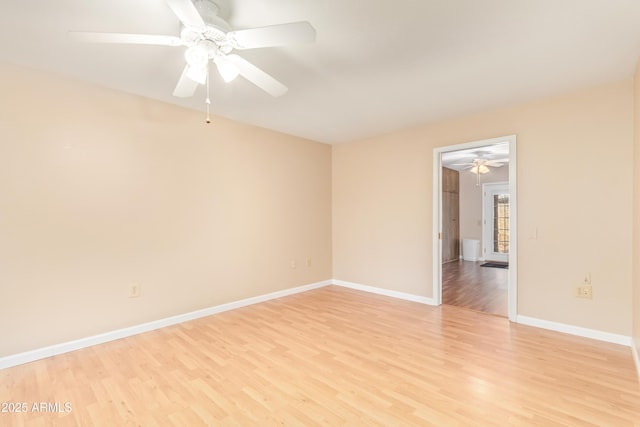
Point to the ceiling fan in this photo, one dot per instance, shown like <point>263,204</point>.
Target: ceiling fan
<point>209,39</point>
<point>480,165</point>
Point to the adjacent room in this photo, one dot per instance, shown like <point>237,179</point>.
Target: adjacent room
<point>475,228</point>
<point>216,212</point>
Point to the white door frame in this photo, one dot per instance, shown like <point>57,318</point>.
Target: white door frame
<point>437,219</point>
<point>487,221</point>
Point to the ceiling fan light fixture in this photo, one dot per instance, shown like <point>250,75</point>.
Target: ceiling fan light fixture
<point>196,56</point>
<point>227,70</point>
<point>198,74</point>
<point>479,169</point>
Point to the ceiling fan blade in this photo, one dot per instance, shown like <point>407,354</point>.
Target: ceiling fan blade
<point>91,37</point>
<point>493,164</point>
<point>186,13</point>
<point>258,77</point>
<point>275,35</point>
<point>186,86</point>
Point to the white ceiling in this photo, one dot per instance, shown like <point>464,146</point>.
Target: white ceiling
<point>377,66</point>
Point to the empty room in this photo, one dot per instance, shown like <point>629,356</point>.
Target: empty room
<point>420,213</point>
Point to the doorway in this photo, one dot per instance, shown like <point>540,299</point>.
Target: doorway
<point>495,222</point>
<point>506,222</point>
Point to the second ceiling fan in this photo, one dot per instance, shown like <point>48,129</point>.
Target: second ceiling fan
<point>209,39</point>
<point>481,165</point>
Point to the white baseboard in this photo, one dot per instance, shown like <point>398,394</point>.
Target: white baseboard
<point>386,292</point>
<point>525,320</point>
<point>575,330</point>
<point>30,356</point>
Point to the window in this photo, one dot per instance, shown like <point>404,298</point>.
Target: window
<point>501,223</point>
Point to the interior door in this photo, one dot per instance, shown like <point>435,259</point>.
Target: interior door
<point>495,235</point>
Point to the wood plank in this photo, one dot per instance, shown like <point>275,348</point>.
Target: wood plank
<point>335,356</point>
<point>466,284</point>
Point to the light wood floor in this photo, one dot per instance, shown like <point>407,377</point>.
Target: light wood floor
<point>466,284</point>
<point>335,356</point>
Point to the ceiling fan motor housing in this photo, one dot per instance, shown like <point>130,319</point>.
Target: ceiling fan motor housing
<point>209,41</point>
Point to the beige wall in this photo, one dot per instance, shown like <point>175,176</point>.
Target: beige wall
<point>574,185</point>
<point>471,200</point>
<point>636,214</point>
<point>99,190</point>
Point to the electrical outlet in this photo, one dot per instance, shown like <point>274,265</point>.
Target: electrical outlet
<point>293,264</point>
<point>134,290</point>
<point>584,292</point>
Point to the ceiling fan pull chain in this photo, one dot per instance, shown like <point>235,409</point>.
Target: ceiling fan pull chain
<point>208,101</point>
